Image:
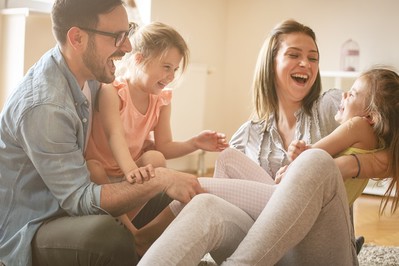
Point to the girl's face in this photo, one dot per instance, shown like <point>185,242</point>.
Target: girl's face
<point>353,102</point>
<point>296,66</point>
<point>160,71</point>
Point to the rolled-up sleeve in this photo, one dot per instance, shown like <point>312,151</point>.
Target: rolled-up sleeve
<point>240,138</point>
<point>52,137</point>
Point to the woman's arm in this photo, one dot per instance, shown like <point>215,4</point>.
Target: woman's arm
<point>371,165</point>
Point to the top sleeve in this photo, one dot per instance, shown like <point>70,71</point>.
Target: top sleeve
<point>49,135</point>
<point>239,139</point>
<point>166,97</point>
<point>327,108</point>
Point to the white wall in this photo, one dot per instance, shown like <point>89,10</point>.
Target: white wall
<point>373,24</point>
<point>227,35</point>
<point>25,36</point>
<point>203,25</point>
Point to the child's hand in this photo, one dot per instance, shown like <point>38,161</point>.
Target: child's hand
<point>140,174</point>
<point>209,140</point>
<point>296,148</point>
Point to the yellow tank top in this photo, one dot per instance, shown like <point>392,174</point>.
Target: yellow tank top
<point>355,186</point>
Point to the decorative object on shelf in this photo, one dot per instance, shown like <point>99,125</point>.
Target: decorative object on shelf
<point>350,56</point>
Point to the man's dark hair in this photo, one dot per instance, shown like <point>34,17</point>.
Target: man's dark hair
<point>83,13</point>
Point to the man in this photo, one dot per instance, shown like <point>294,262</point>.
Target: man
<point>50,212</point>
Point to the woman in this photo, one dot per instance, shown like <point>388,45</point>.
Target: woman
<point>304,220</point>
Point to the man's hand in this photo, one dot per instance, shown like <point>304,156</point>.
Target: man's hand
<point>178,185</point>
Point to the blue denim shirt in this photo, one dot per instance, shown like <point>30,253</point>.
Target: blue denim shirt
<point>42,169</point>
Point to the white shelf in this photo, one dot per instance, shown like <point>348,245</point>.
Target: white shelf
<point>339,77</point>
<point>339,74</point>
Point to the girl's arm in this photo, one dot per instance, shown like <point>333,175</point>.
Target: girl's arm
<point>355,132</point>
<point>109,105</point>
<point>206,140</point>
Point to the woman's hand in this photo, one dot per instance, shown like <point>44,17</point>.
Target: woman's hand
<point>280,174</point>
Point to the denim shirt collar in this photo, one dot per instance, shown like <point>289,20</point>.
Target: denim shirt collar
<point>76,90</point>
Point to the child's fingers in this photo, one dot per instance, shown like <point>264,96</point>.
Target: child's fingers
<point>131,179</point>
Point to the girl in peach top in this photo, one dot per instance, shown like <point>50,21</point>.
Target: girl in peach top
<point>136,105</point>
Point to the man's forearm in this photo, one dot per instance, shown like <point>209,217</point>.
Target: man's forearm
<point>119,198</point>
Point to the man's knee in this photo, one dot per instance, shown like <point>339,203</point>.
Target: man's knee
<point>82,240</point>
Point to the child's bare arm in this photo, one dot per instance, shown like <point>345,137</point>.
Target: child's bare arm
<point>109,105</point>
<point>355,132</point>
<point>206,140</point>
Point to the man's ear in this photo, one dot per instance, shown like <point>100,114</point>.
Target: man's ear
<point>77,38</point>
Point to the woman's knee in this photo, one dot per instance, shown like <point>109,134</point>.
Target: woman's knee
<point>317,158</point>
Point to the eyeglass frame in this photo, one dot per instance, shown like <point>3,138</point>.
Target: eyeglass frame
<point>132,27</point>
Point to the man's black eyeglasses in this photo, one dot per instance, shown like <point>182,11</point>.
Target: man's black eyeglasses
<point>120,37</point>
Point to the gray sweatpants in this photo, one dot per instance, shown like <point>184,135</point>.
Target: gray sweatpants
<point>303,221</point>
<point>91,239</point>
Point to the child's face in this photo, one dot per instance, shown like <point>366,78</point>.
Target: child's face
<point>353,102</point>
<point>160,71</point>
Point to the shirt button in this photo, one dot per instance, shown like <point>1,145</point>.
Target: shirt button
<point>86,102</point>
<point>76,104</point>
<point>84,120</point>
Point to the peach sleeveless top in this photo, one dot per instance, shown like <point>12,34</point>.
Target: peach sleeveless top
<point>137,128</point>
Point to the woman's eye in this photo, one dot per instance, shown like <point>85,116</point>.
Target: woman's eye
<point>313,59</point>
<point>293,55</point>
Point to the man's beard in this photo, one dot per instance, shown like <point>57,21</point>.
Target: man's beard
<point>92,62</point>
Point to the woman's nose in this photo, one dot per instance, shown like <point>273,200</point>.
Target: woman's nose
<point>304,63</point>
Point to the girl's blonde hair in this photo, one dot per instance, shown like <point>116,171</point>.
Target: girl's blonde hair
<point>383,87</point>
<point>151,41</point>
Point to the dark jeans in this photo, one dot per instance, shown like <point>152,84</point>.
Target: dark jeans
<point>92,239</point>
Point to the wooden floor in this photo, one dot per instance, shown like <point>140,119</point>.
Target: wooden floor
<point>380,230</point>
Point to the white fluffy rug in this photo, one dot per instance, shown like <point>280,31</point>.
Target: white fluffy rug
<point>370,255</point>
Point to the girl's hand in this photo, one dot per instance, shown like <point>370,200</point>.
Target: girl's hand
<point>296,148</point>
<point>209,140</point>
<point>140,174</point>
